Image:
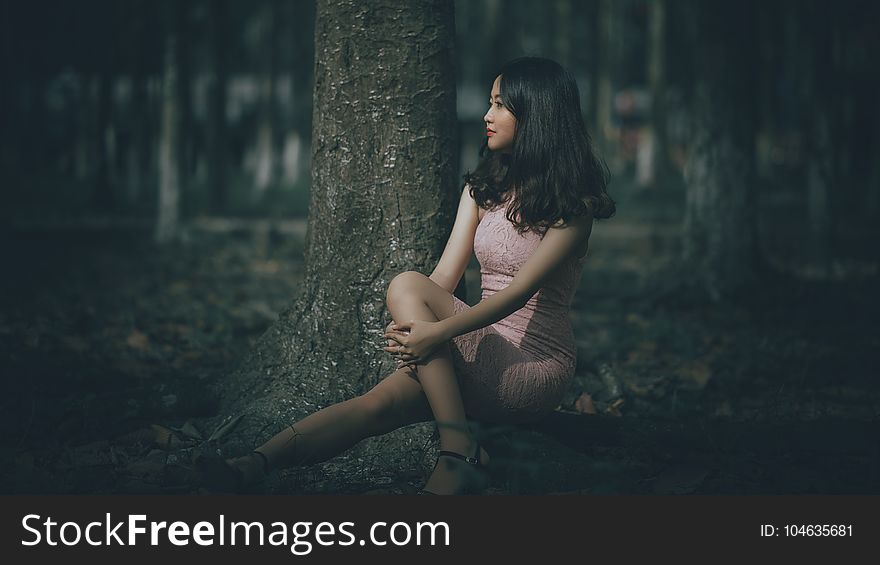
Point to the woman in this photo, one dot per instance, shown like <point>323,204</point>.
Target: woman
<point>527,212</point>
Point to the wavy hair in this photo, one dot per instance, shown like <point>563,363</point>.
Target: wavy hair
<point>552,172</point>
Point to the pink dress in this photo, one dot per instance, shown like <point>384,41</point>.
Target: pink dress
<point>518,368</point>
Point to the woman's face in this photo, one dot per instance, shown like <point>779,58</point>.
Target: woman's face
<point>500,123</point>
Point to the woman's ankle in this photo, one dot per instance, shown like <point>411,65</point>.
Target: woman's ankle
<point>464,445</point>
<point>263,459</point>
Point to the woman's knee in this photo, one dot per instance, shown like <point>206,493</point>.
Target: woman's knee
<point>403,284</point>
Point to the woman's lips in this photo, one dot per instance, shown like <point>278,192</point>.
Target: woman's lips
<point>490,133</point>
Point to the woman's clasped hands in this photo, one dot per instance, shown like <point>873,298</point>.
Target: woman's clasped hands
<point>414,341</point>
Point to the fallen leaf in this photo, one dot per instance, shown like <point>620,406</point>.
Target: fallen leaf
<point>138,340</point>
<point>191,431</point>
<point>614,408</point>
<point>225,428</point>
<point>695,373</point>
<point>584,404</point>
<point>166,439</point>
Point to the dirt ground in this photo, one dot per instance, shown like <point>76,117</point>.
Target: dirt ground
<point>110,348</point>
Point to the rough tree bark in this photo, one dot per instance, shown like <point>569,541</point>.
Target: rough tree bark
<point>720,252</point>
<point>383,200</point>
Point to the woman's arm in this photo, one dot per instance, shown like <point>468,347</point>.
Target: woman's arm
<point>558,244</point>
<point>460,245</point>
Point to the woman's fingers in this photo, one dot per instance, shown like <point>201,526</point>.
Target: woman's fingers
<point>401,354</point>
<point>398,337</point>
<point>396,350</point>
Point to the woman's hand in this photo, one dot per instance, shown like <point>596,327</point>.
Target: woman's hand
<point>415,340</point>
<point>393,343</point>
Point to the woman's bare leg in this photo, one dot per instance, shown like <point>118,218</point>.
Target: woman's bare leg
<point>406,301</point>
<point>395,402</point>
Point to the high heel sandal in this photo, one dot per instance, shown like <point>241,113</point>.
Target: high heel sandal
<point>217,474</point>
<point>478,481</point>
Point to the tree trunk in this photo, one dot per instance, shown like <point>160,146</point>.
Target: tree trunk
<point>84,136</point>
<point>216,126</point>
<point>383,198</point>
<point>605,21</point>
<point>103,196</point>
<point>817,29</point>
<point>720,244</point>
<point>658,164</point>
<point>595,65</point>
<point>186,139</point>
<point>819,177</point>
<point>169,146</point>
<point>562,33</point>
<point>138,164</point>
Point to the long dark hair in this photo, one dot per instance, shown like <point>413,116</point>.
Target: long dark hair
<point>552,172</point>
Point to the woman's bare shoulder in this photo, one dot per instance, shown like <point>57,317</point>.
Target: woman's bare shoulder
<point>480,211</point>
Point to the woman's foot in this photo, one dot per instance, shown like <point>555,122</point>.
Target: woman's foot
<point>453,475</point>
<point>232,475</point>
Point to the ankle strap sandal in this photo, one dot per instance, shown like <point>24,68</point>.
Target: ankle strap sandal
<point>472,461</point>
<point>265,460</point>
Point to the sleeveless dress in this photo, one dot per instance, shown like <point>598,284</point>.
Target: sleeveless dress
<point>518,368</point>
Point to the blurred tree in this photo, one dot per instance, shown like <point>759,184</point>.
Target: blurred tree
<point>817,27</point>
<point>383,199</point>
<point>104,197</point>
<point>562,33</point>
<point>266,150</point>
<point>185,74</point>
<point>720,251</point>
<point>659,166</point>
<point>218,151</point>
<point>297,20</point>
<point>607,18</point>
<point>137,159</point>
<point>168,211</point>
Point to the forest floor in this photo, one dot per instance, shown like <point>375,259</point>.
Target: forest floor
<point>110,349</point>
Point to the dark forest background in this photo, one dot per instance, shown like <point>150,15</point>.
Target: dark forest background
<point>155,164</point>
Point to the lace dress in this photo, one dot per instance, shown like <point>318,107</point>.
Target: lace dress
<point>518,368</point>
